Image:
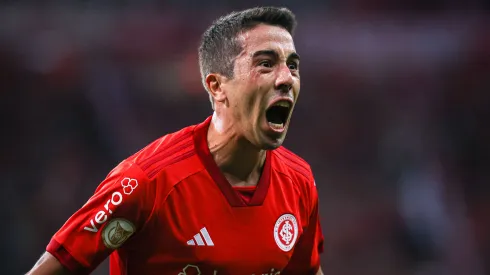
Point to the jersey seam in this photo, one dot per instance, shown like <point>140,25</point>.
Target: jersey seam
<point>286,174</point>
<point>168,153</point>
<point>307,169</point>
<point>293,157</point>
<point>153,210</point>
<point>72,255</point>
<point>309,200</point>
<point>309,179</point>
<point>176,159</point>
<point>182,139</point>
<point>289,177</point>
<point>164,201</point>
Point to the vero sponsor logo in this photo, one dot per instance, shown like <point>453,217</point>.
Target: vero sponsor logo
<point>128,186</point>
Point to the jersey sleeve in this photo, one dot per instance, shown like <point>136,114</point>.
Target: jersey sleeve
<point>306,255</point>
<point>119,208</point>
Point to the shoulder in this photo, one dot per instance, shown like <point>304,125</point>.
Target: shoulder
<point>300,176</point>
<point>292,165</point>
<point>157,167</point>
<point>166,151</point>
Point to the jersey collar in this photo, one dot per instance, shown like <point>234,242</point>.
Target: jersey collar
<point>233,198</point>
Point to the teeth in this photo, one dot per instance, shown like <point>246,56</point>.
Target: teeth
<point>283,104</point>
<point>278,126</point>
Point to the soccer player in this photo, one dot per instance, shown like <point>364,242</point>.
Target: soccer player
<point>219,197</point>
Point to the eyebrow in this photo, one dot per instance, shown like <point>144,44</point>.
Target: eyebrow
<point>274,54</point>
<point>294,56</point>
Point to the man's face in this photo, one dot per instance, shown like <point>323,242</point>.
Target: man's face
<point>262,94</point>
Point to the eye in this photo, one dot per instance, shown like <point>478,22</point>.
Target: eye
<point>293,65</point>
<point>265,63</point>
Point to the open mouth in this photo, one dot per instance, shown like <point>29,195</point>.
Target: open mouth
<point>277,115</point>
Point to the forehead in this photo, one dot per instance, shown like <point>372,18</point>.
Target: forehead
<point>267,37</point>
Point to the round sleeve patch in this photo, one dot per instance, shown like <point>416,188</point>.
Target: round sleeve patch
<point>116,232</point>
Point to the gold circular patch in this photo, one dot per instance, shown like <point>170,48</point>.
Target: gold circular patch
<point>116,232</point>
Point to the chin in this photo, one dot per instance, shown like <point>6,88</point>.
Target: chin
<point>265,139</point>
<point>271,144</point>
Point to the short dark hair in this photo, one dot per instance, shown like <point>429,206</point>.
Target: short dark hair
<point>219,44</point>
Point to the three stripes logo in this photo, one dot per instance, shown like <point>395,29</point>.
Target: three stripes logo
<point>198,239</point>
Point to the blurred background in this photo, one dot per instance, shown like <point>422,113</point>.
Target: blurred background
<point>393,117</point>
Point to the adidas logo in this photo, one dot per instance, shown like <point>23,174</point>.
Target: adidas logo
<point>198,239</point>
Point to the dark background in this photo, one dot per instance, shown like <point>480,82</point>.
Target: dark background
<point>392,117</point>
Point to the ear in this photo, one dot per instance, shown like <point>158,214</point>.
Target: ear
<point>214,82</point>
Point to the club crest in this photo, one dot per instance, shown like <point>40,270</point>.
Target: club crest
<point>286,232</point>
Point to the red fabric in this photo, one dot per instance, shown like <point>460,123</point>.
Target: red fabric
<point>188,219</point>
<point>65,258</point>
<point>245,192</point>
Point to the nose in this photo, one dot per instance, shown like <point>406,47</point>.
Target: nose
<point>284,80</point>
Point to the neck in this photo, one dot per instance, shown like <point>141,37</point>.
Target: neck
<point>239,160</point>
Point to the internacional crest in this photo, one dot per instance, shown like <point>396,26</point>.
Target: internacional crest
<point>286,232</point>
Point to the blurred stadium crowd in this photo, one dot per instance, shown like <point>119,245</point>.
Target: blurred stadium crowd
<point>393,117</point>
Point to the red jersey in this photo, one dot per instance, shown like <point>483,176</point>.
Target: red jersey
<point>168,209</point>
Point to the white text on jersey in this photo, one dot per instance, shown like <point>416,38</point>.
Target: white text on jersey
<point>128,186</point>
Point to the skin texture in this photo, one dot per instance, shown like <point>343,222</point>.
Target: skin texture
<point>48,265</point>
<point>266,70</point>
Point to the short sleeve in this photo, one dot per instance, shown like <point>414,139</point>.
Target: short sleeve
<point>306,255</point>
<point>119,208</point>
